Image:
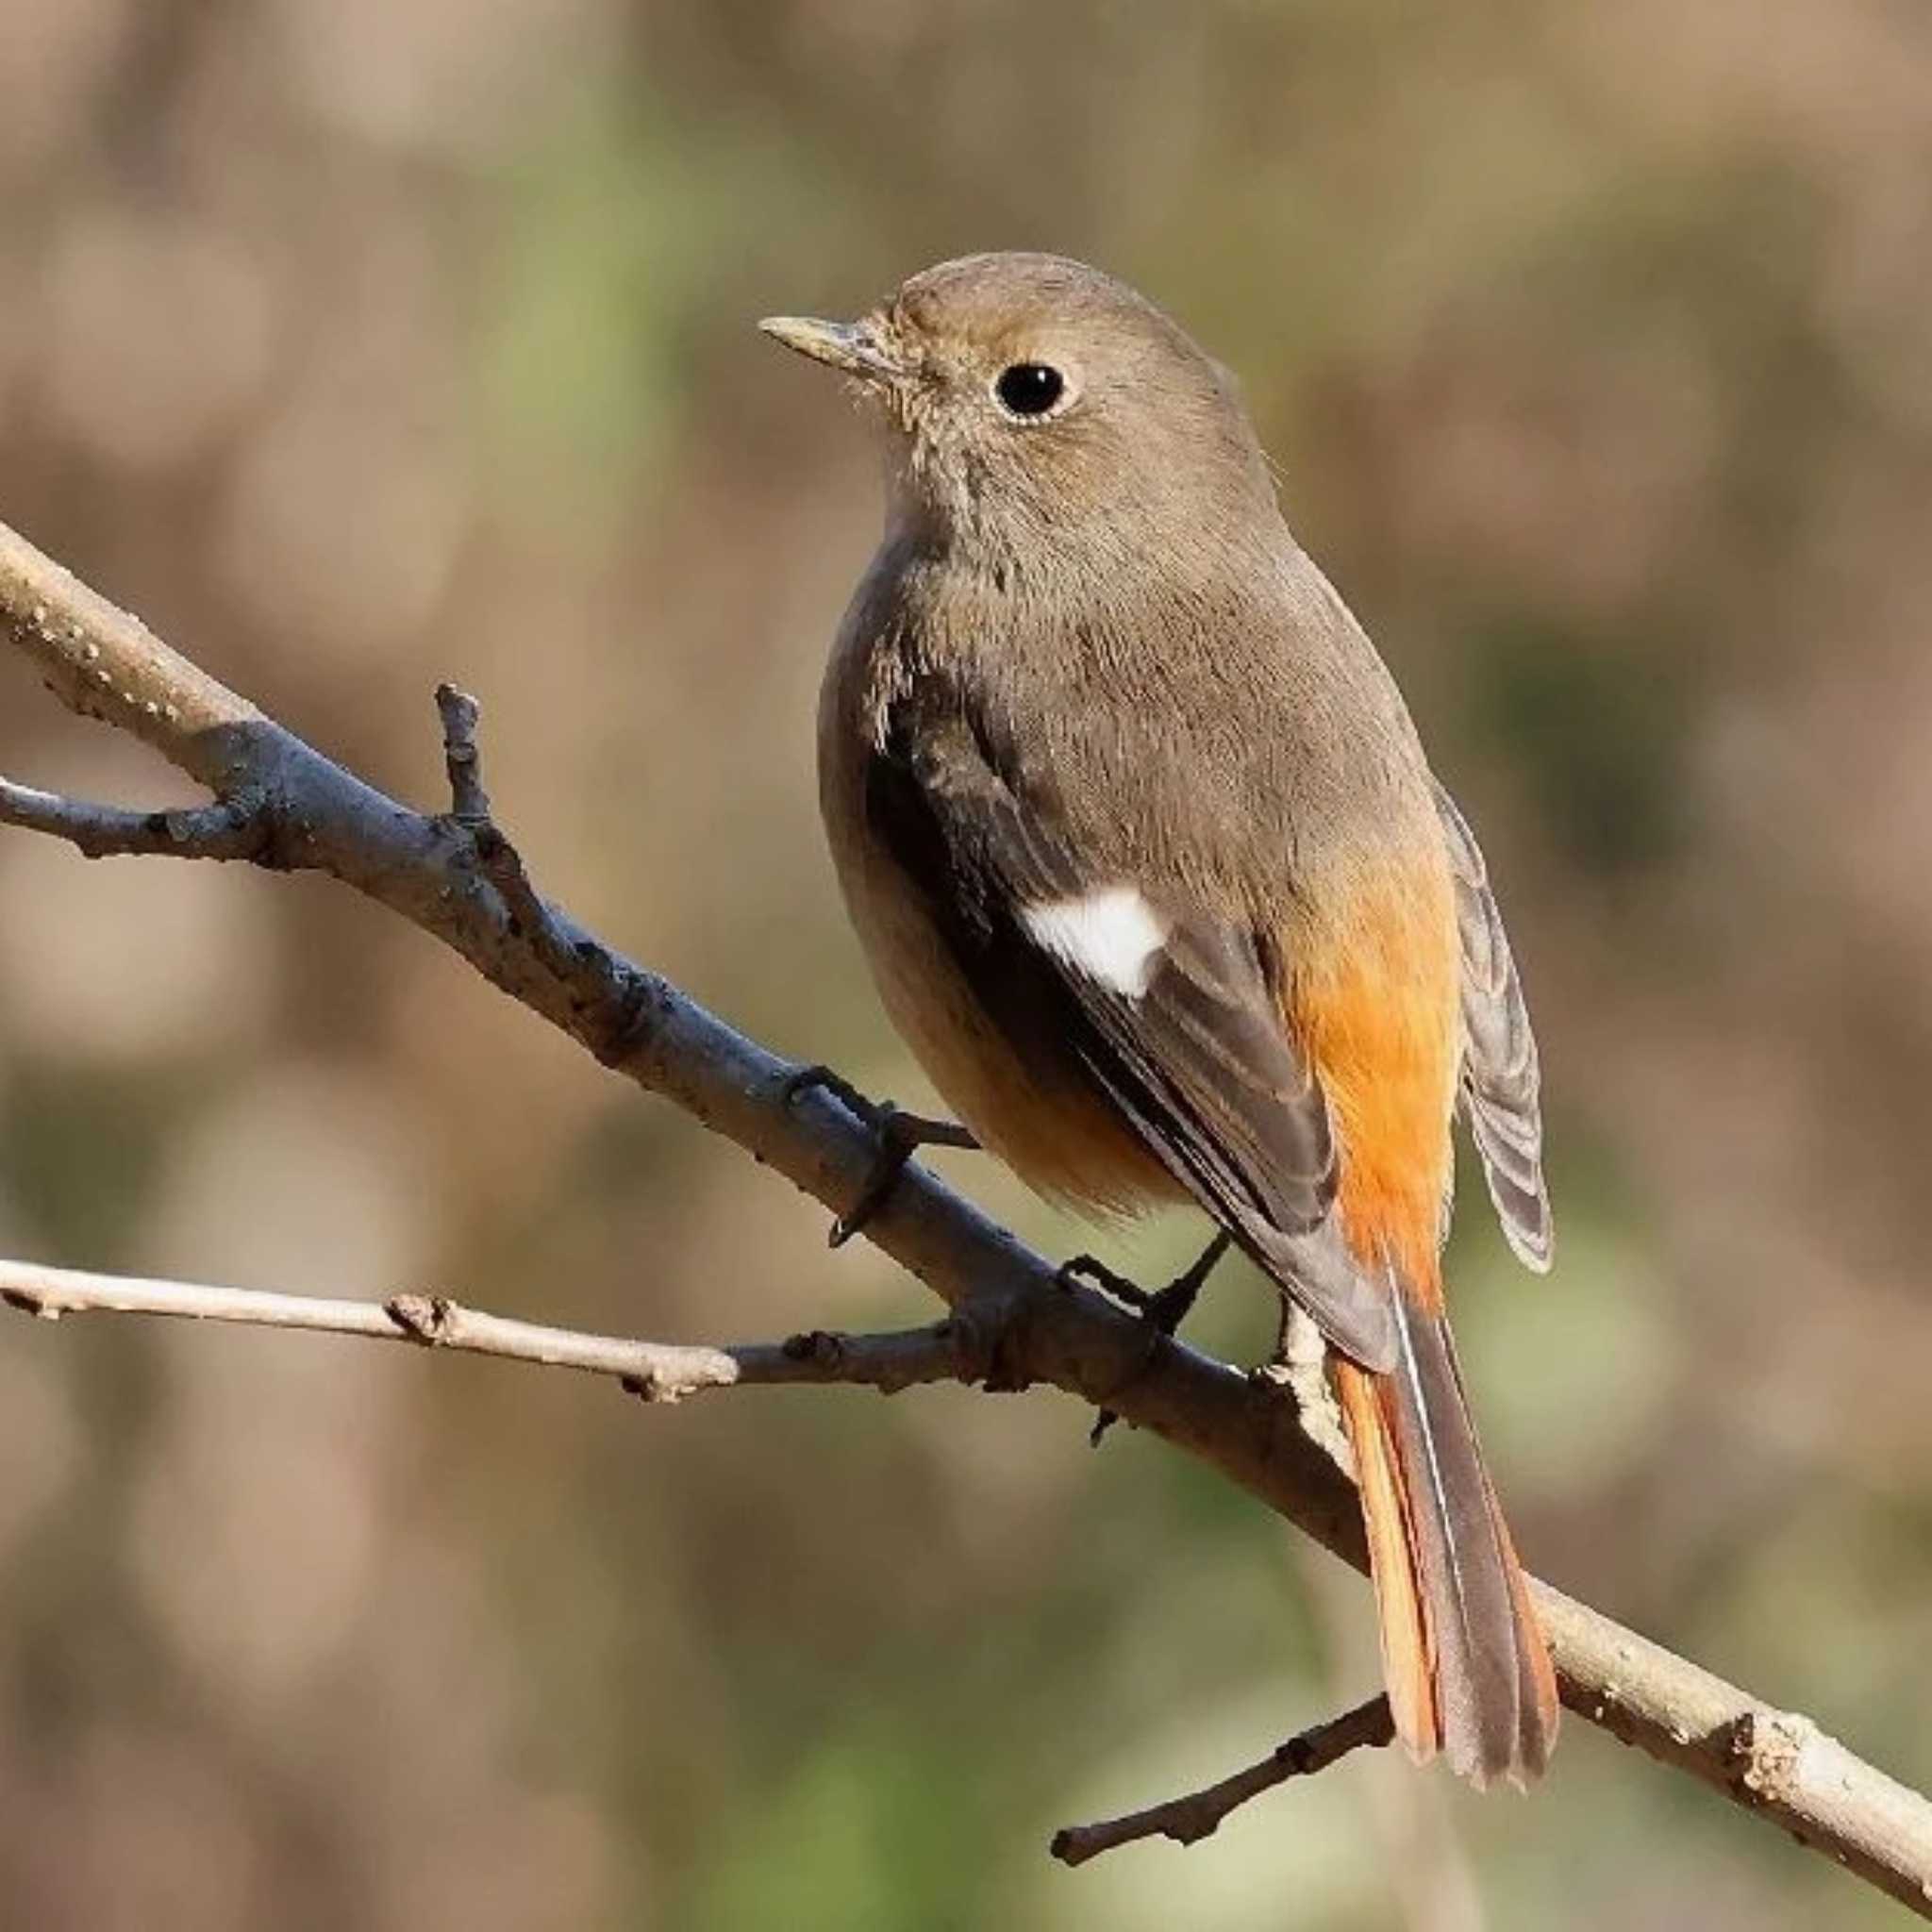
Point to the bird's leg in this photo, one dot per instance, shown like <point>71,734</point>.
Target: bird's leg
<point>1163,1312</point>
<point>1171,1306</point>
<point>900,1135</point>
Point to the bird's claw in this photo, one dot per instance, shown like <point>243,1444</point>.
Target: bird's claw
<point>1090,1269</point>
<point>900,1135</point>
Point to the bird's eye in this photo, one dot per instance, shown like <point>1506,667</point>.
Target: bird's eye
<point>1029,388</point>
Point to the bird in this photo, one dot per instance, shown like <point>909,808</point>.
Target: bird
<point>1155,879</point>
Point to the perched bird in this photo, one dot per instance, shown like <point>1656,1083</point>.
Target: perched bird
<point>1155,881</point>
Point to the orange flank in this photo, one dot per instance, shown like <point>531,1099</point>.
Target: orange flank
<point>1376,1010</point>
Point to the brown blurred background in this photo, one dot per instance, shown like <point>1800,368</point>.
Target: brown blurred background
<point>358,344</point>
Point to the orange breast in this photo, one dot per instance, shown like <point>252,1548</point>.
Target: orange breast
<point>1376,1005</point>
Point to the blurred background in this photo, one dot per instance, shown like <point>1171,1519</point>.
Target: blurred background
<point>359,343</point>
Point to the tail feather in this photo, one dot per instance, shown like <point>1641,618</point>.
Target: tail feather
<point>1467,1668</point>
<point>1537,1679</point>
<point>1407,1662</point>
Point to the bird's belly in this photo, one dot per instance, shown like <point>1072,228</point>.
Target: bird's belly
<point>1039,1111</point>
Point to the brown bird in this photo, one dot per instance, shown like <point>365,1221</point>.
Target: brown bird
<point>1155,881</point>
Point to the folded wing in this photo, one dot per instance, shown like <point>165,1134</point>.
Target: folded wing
<point>1167,1007</point>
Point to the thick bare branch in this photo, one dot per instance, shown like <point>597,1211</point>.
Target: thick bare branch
<point>459,879</point>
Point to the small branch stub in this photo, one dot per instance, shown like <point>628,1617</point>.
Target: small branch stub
<point>469,802</point>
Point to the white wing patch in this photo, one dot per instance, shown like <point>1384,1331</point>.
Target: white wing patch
<point>1111,935</point>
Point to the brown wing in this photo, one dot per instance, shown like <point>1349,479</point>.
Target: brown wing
<point>1501,1079</point>
<point>1195,1057</point>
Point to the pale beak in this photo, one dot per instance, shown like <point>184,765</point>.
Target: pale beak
<point>852,346</point>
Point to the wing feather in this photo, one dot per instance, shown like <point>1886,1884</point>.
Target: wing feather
<point>1502,1080</point>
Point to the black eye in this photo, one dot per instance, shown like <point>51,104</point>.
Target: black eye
<point>1029,388</point>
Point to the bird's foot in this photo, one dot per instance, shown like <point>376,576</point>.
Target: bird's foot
<point>900,1135</point>
<point>1162,1312</point>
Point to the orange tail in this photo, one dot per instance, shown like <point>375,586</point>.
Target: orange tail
<point>1468,1671</point>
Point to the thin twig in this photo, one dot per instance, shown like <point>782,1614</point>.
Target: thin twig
<point>959,1349</point>
<point>111,831</point>
<point>312,815</point>
<point>1196,1815</point>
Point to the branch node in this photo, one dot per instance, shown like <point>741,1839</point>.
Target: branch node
<point>634,1020</point>
<point>423,1318</point>
<point>815,1345</point>
<point>647,1385</point>
<point>978,1333</point>
<point>988,1341</point>
<point>1766,1746</point>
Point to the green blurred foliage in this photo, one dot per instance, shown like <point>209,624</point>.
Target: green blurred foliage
<point>358,346</point>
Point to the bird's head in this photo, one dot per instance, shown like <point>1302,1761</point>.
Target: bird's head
<point>1031,399</point>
